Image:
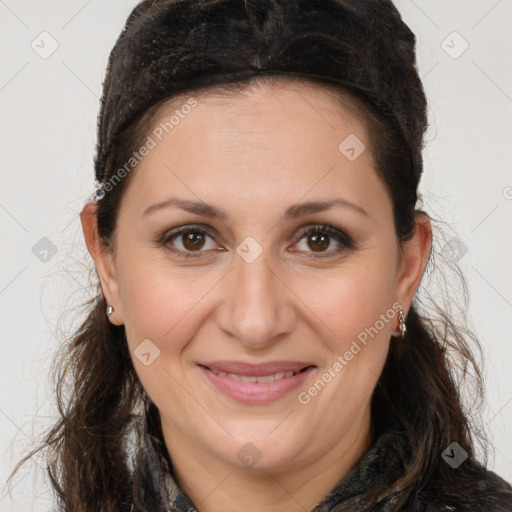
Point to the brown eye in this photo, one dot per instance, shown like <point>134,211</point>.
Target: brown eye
<point>318,242</point>
<point>325,241</point>
<point>189,241</point>
<point>193,240</point>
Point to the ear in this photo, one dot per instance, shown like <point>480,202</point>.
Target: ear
<point>103,259</point>
<point>415,254</point>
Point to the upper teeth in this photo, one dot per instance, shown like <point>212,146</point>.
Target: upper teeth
<point>254,378</point>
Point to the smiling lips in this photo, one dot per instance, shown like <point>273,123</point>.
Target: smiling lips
<point>256,384</point>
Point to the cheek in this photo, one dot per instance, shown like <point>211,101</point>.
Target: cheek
<point>355,306</point>
<point>158,304</point>
<point>353,300</point>
<point>357,310</point>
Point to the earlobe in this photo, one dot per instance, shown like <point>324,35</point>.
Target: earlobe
<point>416,252</point>
<point>103,260</point>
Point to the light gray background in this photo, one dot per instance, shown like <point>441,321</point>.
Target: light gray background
<point>49,108</point>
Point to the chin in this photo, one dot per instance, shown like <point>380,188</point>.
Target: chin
<point>253,451</point>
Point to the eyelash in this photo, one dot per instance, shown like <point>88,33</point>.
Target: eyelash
<point>333,232</point>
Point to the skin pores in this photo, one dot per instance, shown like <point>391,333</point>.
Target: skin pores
<point>254,155</point>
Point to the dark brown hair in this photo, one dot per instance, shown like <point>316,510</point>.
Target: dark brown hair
<point>362,51</point>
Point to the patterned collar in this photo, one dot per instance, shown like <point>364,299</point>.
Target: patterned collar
<point>155,489</point>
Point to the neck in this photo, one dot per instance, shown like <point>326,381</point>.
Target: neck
<point>213,485</point>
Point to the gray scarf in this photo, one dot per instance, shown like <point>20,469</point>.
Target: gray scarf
<point>155,489</point>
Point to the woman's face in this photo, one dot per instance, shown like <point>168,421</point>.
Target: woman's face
<point>211,302</point>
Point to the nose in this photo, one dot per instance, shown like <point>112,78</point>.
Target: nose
<point>259,306</point>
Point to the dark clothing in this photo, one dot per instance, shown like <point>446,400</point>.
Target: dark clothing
<point>155,489</point>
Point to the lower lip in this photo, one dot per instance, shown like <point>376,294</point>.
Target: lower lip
<point>256,392</point>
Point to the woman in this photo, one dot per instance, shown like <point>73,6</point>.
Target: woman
<point>256,340</point>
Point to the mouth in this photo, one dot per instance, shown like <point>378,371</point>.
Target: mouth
<point>257,378</point>
<point>256,384</point>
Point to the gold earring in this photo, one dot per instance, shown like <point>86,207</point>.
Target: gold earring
<point>401,323</point>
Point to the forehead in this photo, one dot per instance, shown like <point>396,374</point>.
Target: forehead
<point>255,145</point>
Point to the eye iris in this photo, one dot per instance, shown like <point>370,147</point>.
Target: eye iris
<point>320,242</point>
<point>193,240</point>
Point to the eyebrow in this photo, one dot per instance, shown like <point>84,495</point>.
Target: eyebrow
<point>292,212</point>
